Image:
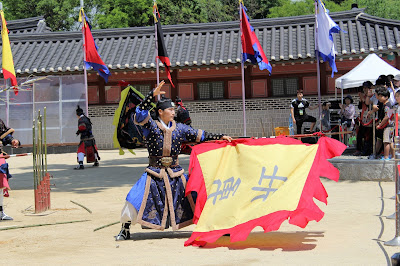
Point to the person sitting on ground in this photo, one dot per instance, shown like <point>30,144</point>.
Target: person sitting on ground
<point>387,123</point>
<point>298,112</point>
<point>348,112</point>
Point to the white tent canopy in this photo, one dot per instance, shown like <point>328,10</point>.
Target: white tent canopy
<point>369,69</point>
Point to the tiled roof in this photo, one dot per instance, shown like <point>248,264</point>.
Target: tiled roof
<point>27,25</point>
<point>283,39</point>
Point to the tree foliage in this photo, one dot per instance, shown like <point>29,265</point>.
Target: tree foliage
<point>381,8</point>
<point>123,13</point>
<point>62,15</point>
<point>59,14</point>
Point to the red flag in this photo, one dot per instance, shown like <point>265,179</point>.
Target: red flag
<point>93,58</point>
<point>162,51</point>
<point>252,48</point>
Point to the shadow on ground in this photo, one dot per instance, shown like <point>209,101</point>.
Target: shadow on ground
<point>287,241</point>
<point>117,172</point>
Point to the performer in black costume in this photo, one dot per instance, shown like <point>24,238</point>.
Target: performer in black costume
<point>6,137</point>
<point>158,199</point>
<point>182,114</point>
<point>87,146</point>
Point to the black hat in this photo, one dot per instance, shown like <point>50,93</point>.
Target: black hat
<point>79,111</point>
<point>164,103</point>
<point>178,100</point>
<point>349,97</point>
<point>367,84</point>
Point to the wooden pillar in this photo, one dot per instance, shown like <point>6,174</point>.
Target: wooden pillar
<point>174,91</point>
<point>247,81</point>
<point>102,90</point>
<point>397,58</point>
<point>325,70</point>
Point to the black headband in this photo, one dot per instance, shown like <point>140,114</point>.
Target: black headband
<point>164,104</point>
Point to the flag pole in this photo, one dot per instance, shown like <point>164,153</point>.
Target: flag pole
<point>318,70</point>
<point>242,68</point>
<point>5,81</point>
<point>156,45</point>
<point>84,64</point>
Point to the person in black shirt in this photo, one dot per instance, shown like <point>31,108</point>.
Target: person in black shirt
<point>298,112</point>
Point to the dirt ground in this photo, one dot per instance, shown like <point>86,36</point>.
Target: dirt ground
<point>351,233</point>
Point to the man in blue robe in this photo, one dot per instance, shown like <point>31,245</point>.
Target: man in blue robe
<point>157,200</point>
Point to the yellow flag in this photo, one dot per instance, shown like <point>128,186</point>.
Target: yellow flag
<point>257,182</point>
<point>7,62</point>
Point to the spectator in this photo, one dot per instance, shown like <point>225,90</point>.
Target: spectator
<point>396,82</point>
<point>326,117</point>
<point>348,112</point>
<point>298,112</point>
<point>386,123</point>
<point>378,107</point>
<point>364,133</point>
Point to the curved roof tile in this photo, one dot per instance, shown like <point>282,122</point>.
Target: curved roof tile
<point>283,39</point>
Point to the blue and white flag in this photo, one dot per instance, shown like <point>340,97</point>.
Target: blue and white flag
<point>325,27</point>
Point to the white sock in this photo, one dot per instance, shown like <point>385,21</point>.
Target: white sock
<point>1,197</point>
<point>81,157</point>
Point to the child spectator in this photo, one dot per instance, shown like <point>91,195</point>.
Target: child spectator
<point>386,123</point>
<point>348,112</point>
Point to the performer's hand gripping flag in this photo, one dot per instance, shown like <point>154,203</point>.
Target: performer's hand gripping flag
<point>7,62</point>
<point>162,50</point>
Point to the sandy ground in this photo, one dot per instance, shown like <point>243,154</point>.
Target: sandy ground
<point>351,233</point>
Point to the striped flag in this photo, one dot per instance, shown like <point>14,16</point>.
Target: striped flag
<point>252,49</point>
<point>93,58</point>
<point>325,27</point>
<point>7,60</point>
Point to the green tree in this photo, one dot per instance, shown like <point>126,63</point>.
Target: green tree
<point>123,13</point>
<point>381,8</point>
<point>59,15</point>
<point>288,8</point>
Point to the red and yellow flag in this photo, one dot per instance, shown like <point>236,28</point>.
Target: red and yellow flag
<point>7,62</point>
<point>257,182</point>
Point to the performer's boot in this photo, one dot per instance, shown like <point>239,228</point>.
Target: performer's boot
<point>4,216</point>
<point>124,234</point>
<point>80,166</point>
<point>96,163</point>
